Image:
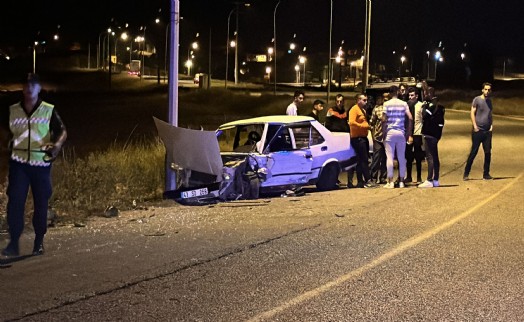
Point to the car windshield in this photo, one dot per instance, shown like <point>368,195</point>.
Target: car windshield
<point>241,138</point>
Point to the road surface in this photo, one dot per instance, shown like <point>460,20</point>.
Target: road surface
<point>448,253</point>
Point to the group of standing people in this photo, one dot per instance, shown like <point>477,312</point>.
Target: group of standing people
<point>406,125</point>
<point>404,128</point>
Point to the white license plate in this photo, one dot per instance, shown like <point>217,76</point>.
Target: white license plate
<point>194,193</point>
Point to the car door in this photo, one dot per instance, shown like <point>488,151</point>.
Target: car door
<point>287,164</point>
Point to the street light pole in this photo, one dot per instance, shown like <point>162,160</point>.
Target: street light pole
<point>275,48</point>
<point>236,47</point>
<point>330,59</point>
<point>227,46</point>
<point>170,183</point>
<point>365,77</point>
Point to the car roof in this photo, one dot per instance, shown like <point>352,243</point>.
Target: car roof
<point>274,119</point>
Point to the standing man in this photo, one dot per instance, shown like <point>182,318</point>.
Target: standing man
<point>337,117</point>
<point>432,125</point>
<point>393,122</point>
<point>482,121</point>
<point>318,105</point>
<point>37,135</point>
<point>403,92</point>
<point>378,162</point>
<point>358,130</point>
<point>298,98</point>
<point>414,151</point>
<point>337,121</point>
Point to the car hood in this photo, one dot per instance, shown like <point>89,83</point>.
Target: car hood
<point>191,149</point>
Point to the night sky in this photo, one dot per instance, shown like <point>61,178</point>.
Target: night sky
<point>416,24</point>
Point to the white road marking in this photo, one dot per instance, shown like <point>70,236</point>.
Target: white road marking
<point>397,250</point>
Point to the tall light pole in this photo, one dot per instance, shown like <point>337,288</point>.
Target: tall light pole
<point>143,48</point>
<point>302,60</point>
<point>402,60</point>
<point>365,77</point>
<point>275,46</point>
<point>227,46</point>
<point>427,76</point>
<point>330,62</point>
<point>438,56</point>
<point>236,47</point>
<point>34,57</point>
<point>170,183</point>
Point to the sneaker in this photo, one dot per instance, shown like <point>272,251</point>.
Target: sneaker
<point>426,184</point>
<point>436,183</point>
<point>408,179</point>
<point>487,177</point>
<point>370,184</point>
<point>389,185</point>
<point>38,246</point>
<point>401,184</point>
<point>465,178</point>
<point>11,250</point>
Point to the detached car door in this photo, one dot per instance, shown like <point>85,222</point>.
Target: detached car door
<point>287,164</point>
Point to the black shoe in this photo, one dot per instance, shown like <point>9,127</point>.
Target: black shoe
<point>408,179</point>
<point>38,249</point>
<point>370,184</point>
<point>465,178</point>
<point>11,250</point>
<point>487,177</point>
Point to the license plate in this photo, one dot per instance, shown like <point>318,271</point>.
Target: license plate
<point>194,193</point>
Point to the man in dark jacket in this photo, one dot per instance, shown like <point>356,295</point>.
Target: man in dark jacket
<point>432,125</point>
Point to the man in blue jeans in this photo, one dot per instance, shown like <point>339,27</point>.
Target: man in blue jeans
<point>37,135</point>
<point>482,121</point>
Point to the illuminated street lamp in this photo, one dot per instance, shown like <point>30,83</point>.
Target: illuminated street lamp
<point>302,60</point>
<point>188,64</point>
<point>230,43</point>
<point>190,54</point>
<point>462,56</point>
<point>438,57</point>
<point>268,72</point>
<point>297,73</point>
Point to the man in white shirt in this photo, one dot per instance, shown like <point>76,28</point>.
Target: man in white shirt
<point>292,108</point>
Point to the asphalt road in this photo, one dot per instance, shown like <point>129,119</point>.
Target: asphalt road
<point>453,253</point>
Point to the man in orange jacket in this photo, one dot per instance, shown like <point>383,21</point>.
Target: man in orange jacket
<point>359,128</point>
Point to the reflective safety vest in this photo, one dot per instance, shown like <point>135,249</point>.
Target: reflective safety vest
<point>30,133</point>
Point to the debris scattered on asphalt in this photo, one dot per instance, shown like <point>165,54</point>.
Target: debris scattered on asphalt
<point>111,211</point>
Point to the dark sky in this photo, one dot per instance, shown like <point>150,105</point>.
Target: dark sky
<point>417,24</point>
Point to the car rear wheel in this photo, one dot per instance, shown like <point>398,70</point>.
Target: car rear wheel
<point>328,177</point>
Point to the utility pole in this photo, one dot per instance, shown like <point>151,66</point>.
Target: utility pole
<point>365,76</point>
<point>236,47</point>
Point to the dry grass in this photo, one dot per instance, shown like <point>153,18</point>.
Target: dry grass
<point>120,177</point>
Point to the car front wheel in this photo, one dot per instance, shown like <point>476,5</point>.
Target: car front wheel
<point>328,177</point>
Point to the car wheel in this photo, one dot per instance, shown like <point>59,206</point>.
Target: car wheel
<point>328,177</point>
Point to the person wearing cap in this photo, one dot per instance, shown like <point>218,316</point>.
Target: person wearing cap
<point>318,105</point>
<point>36,136</point>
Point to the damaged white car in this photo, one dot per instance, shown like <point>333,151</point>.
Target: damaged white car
<point>255,156</point>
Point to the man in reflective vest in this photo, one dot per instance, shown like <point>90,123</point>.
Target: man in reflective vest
<point>37,135</point>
